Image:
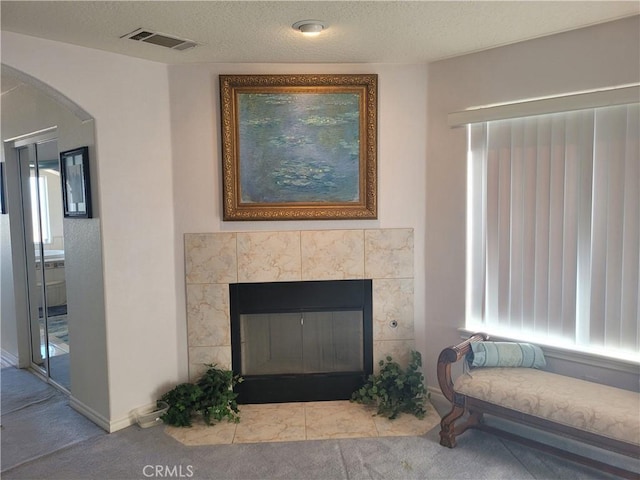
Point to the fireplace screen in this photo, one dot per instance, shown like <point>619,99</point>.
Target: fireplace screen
<point>300,343</point>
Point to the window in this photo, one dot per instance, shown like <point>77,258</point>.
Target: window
<point>554,229</point>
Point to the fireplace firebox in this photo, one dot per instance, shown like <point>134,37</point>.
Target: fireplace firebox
<point>301,341</point>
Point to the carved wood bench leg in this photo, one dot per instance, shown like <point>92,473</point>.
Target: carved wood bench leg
<point>448,428</point>
<point>475,419</point>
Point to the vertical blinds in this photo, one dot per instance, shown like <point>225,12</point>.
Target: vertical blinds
<point>554,226</point>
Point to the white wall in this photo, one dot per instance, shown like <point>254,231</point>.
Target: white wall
<point>195,126</point>
<point>599,56</point>
<point>129,101</point>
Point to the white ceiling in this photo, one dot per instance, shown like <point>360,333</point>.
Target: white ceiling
<point>260,31</point>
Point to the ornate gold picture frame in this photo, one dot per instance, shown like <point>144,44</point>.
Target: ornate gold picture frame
<point>299,147</point>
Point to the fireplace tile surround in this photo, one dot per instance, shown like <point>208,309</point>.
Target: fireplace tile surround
<point>214,260</point>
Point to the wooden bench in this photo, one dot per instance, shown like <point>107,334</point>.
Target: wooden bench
<point>599,415</point>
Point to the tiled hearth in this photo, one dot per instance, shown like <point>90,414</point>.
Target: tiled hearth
<point>288,422</point>
<point>214,260</point>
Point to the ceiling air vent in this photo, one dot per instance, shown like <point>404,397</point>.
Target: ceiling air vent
<point>175,43</point>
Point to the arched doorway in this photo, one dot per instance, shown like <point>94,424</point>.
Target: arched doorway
<point>35,240</point>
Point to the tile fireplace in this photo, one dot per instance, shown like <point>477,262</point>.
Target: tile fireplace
<point>214,261</point>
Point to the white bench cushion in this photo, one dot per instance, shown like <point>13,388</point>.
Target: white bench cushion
<point>607,411</point>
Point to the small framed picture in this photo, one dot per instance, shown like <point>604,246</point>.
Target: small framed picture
<point>76,187</point>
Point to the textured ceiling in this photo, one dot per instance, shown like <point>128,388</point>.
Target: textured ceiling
<point>260,31</point>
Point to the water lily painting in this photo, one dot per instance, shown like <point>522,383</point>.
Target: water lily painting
<point>299,146</point>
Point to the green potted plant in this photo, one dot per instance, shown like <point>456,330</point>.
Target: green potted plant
<point>183,401</point>
<point>218,400</point>
<point>394,389</point>
<point>212,396</point>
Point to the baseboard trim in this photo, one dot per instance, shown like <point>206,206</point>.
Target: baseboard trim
<point>438,397</point>
<point>436,392</point>
<point>122,423</point>
<point>91,414</point>
<point>131,419</point>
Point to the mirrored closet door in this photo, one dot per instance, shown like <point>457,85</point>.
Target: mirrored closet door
<point>42,215</point>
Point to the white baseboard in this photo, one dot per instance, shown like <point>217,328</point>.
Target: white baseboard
<point>121,423</point>
<point>91,414</point>
<point>438,400</point>
<point>436,395</point>
<point>130,419</point>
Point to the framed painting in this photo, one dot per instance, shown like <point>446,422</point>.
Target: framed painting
<point>299,147</point>
<point>76,186</point>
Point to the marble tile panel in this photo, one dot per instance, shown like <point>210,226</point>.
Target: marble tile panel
<point>273,423</point>
<point>196,370</point>
<point>388,253</point>
<point>393,302</point>
<point>332,254</point>
<point>399,350</point>
<point>338,420</point>
<point>202,434</point>
<point>285,422</point>
<point>269,256</point>
<point>406,424</point>
<point>210,258</point>
<point>199,357</point>
<point>208,315</point>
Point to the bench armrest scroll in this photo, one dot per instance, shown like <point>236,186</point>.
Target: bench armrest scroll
<point>452,355</point>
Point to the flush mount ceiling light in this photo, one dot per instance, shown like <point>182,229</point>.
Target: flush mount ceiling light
<point>309,28</point>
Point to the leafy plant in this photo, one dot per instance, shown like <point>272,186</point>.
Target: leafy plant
<point>212,396</point>
<point>183,403</point>
<point>394,389</point>
<point>218,400</point>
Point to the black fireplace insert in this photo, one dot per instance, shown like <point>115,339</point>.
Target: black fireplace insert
<point>301,341</point>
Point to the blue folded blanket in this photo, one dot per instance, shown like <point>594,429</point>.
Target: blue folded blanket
<point>505,354</point>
